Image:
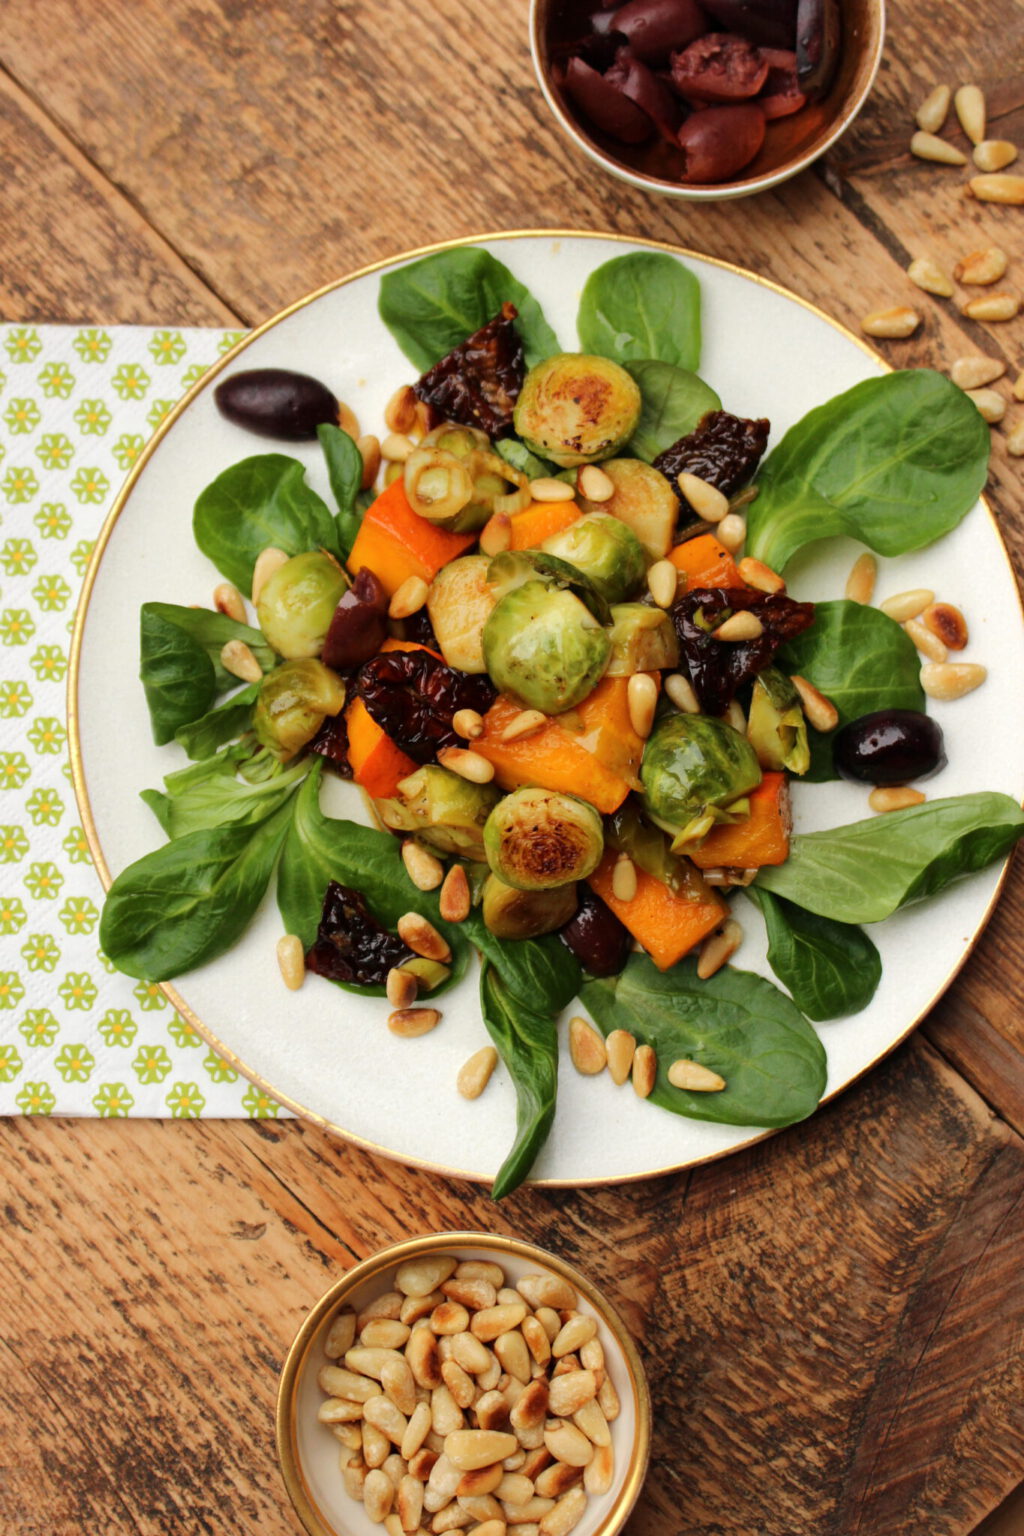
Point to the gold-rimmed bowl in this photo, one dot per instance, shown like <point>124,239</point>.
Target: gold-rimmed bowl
<point>310,1454</point>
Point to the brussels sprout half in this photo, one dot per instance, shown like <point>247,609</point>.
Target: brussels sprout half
<point>575,409</point>
<point>536,839</point>
<point>513,914</point>
<point>695,772</point>
<point>443,809</point>
<point>605,550</point>
<point>543,646</point>
<point>293,702</point>
<point>297,603</point>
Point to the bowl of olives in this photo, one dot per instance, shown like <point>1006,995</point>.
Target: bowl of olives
<point>705,101</point>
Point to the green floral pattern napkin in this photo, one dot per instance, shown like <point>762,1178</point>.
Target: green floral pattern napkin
<point>76,1037</point>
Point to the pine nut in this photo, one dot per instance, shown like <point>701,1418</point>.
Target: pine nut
<point>760,576</point>
<point>735,717</point>
<point>1015,441</point>
<point>973,372</point>
<point>460,1384</point>
<point>400,987</point>
<point>468,1449</point>
<point>597,1476</point>
<point>369,452</point>
<point>341,1335</point>
<point>644,1073</point>
<point>680,690</point>
<point>609,1399</point>
<point>398,1382</point>
<point>896,797</point>
<point>907,605</point>
<point>590,1418</point>
<point>641,700</point>
<point>489,1322</point>
<point>237,658</point>
<point>400,411</point>
<point>999,187</point>
<point>624,878</point>
<point>891,324</point>
<point>994,154</point>
<point>396,447</point>
<point>621,1046</point>
<point>473,1294</point>
<point>526,723</point>
<point>593,484</point>
<point>706,500</point>
<point>543,1291</point>
<point>718,948</point>
<point>567,1443</point>
<point>467,764</point>
<point>468,723</point>
<point>821,712</point>
<point>423,939</point>
<point>496,535</point>
<point>931,114</point>
<point>408,598</point>
<point>409,1503</point>
<point>992,306</point>
<point>387,1305</point>
<point>732,531</point>
<point>926,273</point>
<point>227,599</point>
<point>455,896</point>
<point>951,679</point>
<point>490,1528</point>
<point>692,1076</point>
<point>928,146</point>
<point>268,561</point>
<point>291,960</point>
<point>1017,391</point>
<point>350,1435</point>
<point>990,403</point>
<point>744,625</point>
<point>860,584</point>
<point>547,489</point>
<point>424,870</point>
<point>586,1048</point>
<point>410,1023</point>
<point>663,582</point>
<point>926,642</point>
<point>378,1495</point>
<point>969,105</point>
<point>566,1514</point>
<point>982,267</point>
<point>514,1488</point>
<point>348,421</point>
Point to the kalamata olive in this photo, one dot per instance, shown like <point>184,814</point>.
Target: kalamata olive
<point>656,28</point>
<point>720,141</point>
<point>275,402</point>
<point>818,34</point>
<point>650,92</point>
<point>360,624</point>
<point>719,68</point>
<point>780,94</point>
<point>768,23</point>
<point>606,104</point>
<point>596,937</point>
<point>890,746</point>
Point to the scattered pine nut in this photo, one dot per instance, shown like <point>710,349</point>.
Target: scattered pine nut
<point>526,723</point>
<point>291,960</point>
<point>662,583</point>
<point>455,900</point>
<point>732,531</point>
<point>496,535</point>
<point>926,642</point>
<point>422,937</point>
<point>990,404</point>
<point>928,146</point>
<point>1015,441</point>
<point>1017,389</point>
<point>820,711</point>
<point>907,605</point>
<point>593,484</point>
<point>587,1049</point>
<point>237,658</point>
<point>467,764</point>
<point>999,187</point>
<point>641,702</point>
<point>926,274</point>
<point>680,690</point>
<point>468,723</point>
<point>475,1074</point>
<point>644,1071</point>
<point>891,324</point>
<point>400,411</point>
<point>424,869</point>
<point>408,598</point>
<point>698,1079</point>
<point>969,105</point>
<point>369,452</point>
<point>348,421</point>
<point>268,561</point>
<point>400,987</point>
<point>546,489</point>
<point>706,500</point>
<point>931,114</point>
<point>227,599</point>
<point>620,1046</point>
<point>894,797</point>
<point>719,947</point>
<point>410,1023</point>
<point>624,878</point>
<point>951,679</point>
<point>396,447</point>
<point>744,625</point>
<point>860,584</point>
<point>973,372</point>
<point>994,154</point>
<point>760,576</point>
<point>992,306</point>
<point>982,267</point>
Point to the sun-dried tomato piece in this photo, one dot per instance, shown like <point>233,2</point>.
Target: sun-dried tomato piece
<point>331,743</point>
<point>723,449</point>
<point>478,383</point>
<point>414,696</point>
<point>350,945</point>
<point>719,668</point>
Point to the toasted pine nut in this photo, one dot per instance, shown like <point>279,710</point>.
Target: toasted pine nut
<point>291,961</point>
<point>928,146</point>
<point>586,1048</point>
<point>1017,389</point>
<point>227,599</point>
<point>743,625</point>
<point>597,1476</point>
<point>409,1023</point>
<point>566,1514</point>
<point>969,105</point>
<point>706,500</point>
<point>341,1335</point>
<point>890,324</point>
<point>990,403</point>
<point>468,1449</point>
<point>238,659</point>
<point>973,372</point>
<point>924,272</point>
<point>860,584</point>
<point>992,306</point>
<point>951,679</point>
<point>1015,441</point>
<point>718,948</point>
<point>369,452</point>
<point>489,1322</point>
<point>680,691</point>
<point>468,765</point>
<point>496,535</point>
<point>994,154</point>
<point>926,642</point>
<point>820,711</point>
<point>760,576</point>
<point>475,1074</point>
<point>396,447</point>
<point>732,531</point>
<point>895,797</point>
<point>468,723</point>
<point>999,187</point>
<point>641,701</point>
<point>662,582</point>
<point>408,598</point>
<point>982,267</point>
<point>268,561</point>
<point>594,484</point>
<point>548,489</point>
<point>644,1072</point>
<point>424,870</point>
<point>409,1503</point>
<point>698,1079</point>
<point>422,937</point>
<point>557,1478</point>
<point>931,114</point>
<point>624,878</point>
<point>400,411</point>
<point>401,987</point>
<point>455,896</point>
<point>735,717</point>
<point>378,1495</point>
<point>348,421</point>
<point>567,1443</point>
<point>620,1046</point>
<point>526,723</point>
<point>907,605</point>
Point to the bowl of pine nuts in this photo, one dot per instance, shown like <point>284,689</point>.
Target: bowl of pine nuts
<point>463,1381</point>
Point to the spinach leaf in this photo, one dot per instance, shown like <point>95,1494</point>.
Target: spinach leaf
<point>432,305</point>
<point>259,501</point>
<point>860,659</point>
<point>203,737</point>
<point>829,968</point>
<point>345,472</point>
<point>895,462</point>
<point>180,666</point>
<point>672,403</point>
<point>735,1023</point>
<point>190,900</point>
<point>527,1043</point>
<point>642,305</point>
<point>867,870</point>
<point>541,972</point>
<point>207,794</point>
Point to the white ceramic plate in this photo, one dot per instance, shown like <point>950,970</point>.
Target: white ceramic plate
<point>327,1053</point>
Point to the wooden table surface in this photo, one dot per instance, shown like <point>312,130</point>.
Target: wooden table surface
<point>832,1320</point>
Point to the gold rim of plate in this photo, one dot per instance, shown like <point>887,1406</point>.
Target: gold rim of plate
<point>82,613</point>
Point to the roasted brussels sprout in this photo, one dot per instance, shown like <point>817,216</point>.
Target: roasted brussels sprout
<point>297,603</point>
<point>605,550</point>
<point>696,772</point>
<point>459,603</point>
<point>293,702</point>
<point>455,480</point>
<point>544,647</point>
<point>574,409</point>
<point>643,640</point>
<point>629,831</point>
<point>516,566</point>
<point>444,810</point>
<point>644,500</point>
<point>776,728</point>
<point>513,914</point>
<point>539,838</point>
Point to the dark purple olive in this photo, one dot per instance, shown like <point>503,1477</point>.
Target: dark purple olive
<point>780,94</point>
<point>274,402</point>
<point>888,747</point>
<point>719,68</point>
<point>606,105</point>
<point>656,28</point>
<point>768,23</point>
<point>360,624</point>
<point>651,94</point>
<point>818,32</point>
<point>720,141</point>
<point>596,937</point>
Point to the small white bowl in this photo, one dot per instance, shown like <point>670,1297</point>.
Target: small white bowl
<point>309,1453</point>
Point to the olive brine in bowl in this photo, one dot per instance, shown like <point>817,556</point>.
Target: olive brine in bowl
<point>575,705</point>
